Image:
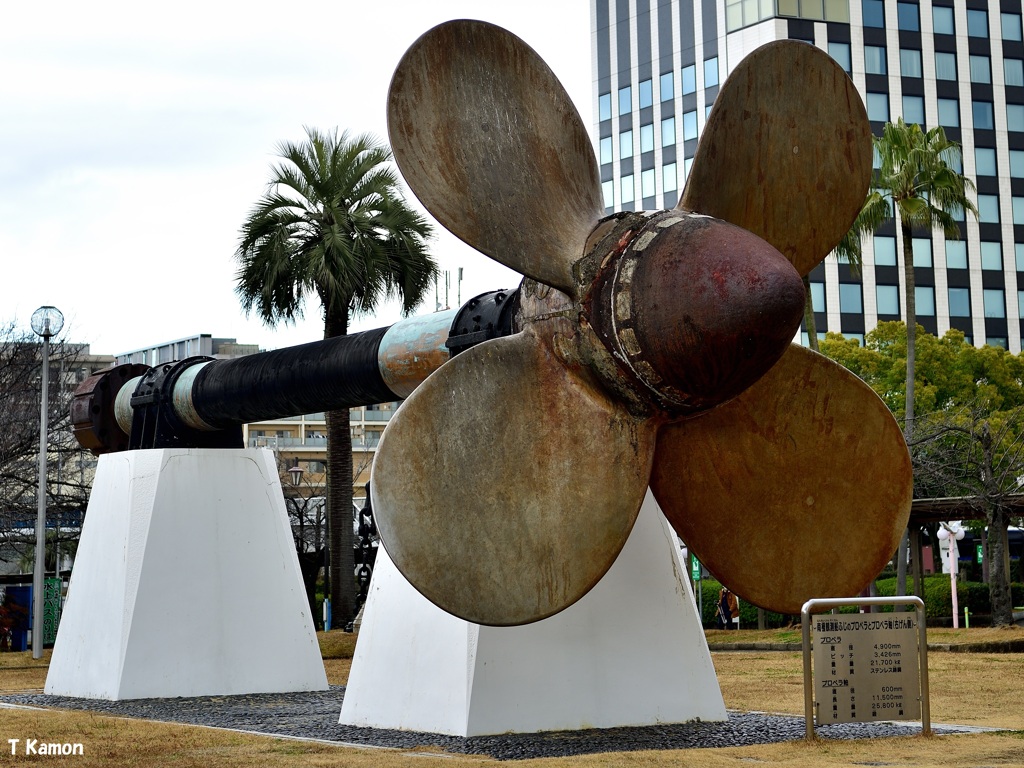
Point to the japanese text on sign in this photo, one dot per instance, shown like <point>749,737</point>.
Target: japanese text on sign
<point>865,668</point>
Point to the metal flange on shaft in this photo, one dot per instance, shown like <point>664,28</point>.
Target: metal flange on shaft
<point>201,402</point>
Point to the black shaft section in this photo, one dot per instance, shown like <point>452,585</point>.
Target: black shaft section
<point>327,375</point>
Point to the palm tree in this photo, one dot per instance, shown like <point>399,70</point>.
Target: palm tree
<point>333,223</point>
<point>916,180</point>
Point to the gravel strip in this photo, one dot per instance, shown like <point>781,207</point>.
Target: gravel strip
<point>315,716</point>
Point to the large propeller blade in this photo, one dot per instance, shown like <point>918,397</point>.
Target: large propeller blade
<point>786,152</point>
<point>798,488</point>
<point>508,482</point>
<point>506,485</point>
<point>489,141</point>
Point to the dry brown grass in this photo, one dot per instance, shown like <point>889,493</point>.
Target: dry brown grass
<point>975,689</point>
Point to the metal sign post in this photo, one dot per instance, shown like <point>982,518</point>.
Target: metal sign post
<point>864,662</point>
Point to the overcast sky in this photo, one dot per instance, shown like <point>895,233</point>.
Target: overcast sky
<point>134,138</point>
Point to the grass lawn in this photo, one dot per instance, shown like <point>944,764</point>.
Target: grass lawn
<point>966,688</point>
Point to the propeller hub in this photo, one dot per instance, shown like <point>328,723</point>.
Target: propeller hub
<point>693,309</point>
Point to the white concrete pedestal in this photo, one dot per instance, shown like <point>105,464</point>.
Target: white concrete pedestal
<point>631,652</point>
<point>186,583</point>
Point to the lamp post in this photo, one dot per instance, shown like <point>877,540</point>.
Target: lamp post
<point>46,322</point>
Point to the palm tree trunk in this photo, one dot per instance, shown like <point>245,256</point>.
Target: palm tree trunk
<point>910,305</point>
<point>339,499</point>
<point>809,326</point>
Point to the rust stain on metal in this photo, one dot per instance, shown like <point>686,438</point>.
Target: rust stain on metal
<point>487,139</point>
<point>92,410</point>
<point>786,157</point>
<point>412,349</point>
<point>783,467</point>
<point>491,516</point>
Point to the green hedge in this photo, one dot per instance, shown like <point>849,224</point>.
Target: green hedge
<point>937,602</point>
<point>938,595</point>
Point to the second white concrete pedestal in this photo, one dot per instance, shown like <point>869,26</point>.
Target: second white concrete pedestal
<point>631,652</point>
<point>186,583</point>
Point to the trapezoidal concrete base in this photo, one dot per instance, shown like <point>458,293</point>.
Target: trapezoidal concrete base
<point>631,652</point>
<point>186,583</point>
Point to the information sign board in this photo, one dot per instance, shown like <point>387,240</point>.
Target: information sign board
<point>865,667</point>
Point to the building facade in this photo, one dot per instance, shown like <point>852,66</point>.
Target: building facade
<point>658,66</point>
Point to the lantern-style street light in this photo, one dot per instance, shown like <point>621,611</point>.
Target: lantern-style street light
<point>46,322</point>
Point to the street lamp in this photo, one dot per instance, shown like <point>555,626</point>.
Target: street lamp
<point>296,473</point>
<point>46,322</point>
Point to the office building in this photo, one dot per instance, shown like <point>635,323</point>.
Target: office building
<point>658,66</point>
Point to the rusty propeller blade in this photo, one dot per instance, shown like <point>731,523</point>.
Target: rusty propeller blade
<point>798,488</point>
<point>505,486</point>
<point>491,144</point>
<point>786,152</point>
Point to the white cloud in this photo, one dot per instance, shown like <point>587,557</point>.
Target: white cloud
<point>134,138</point>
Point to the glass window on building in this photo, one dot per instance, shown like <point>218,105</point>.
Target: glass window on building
<point>626,100</point>
<point>687,165</point>
<point>985,159</point>
<point>850,299</point>
<point>983,120</point>
<point>626,144</point>
<point>977,23</point>
<point>910,62</point>
<point>608,192</point>
<point>689,125</point>
<point>995,306</point>
<point>988,209</point>
<point>646,94</point>
<point>949,113</point>
<point>885,251</point>
<point>991,255</point>
<point>669,180</point>
<point>924,298</point>
<point>874,59</point>
<point>668,85</point>
<point>945,66</point>
<point>647,137</point>
<point>647,183</point>
<point>1011,26</point>
<point>922,248</point>
<point>956,163</point>
<point>874,13</point>
<point>818,297</point>
<point>888,297</point>
<point>981,72</point>
<point>913,110</point>
<point>606,150</point>
<point>1018,210</point>
<point>711,72</point>
<point>604,106</point>
<point>1015,117</point>
<point>907,17</point>
<point>1018,249</point>
<point>1020,304</point>
<point>878,107</point>
<point>689,81</point>
<point>626,187</point>
<point>841,53</point>
<point>942,20</point>
<point>668,132</point>
<point>959,302</point>
<point>1013,70</point>
<point>956,254</point>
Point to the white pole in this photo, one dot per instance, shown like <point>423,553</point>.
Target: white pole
<point>954,563</point>
<point>37,577</point>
